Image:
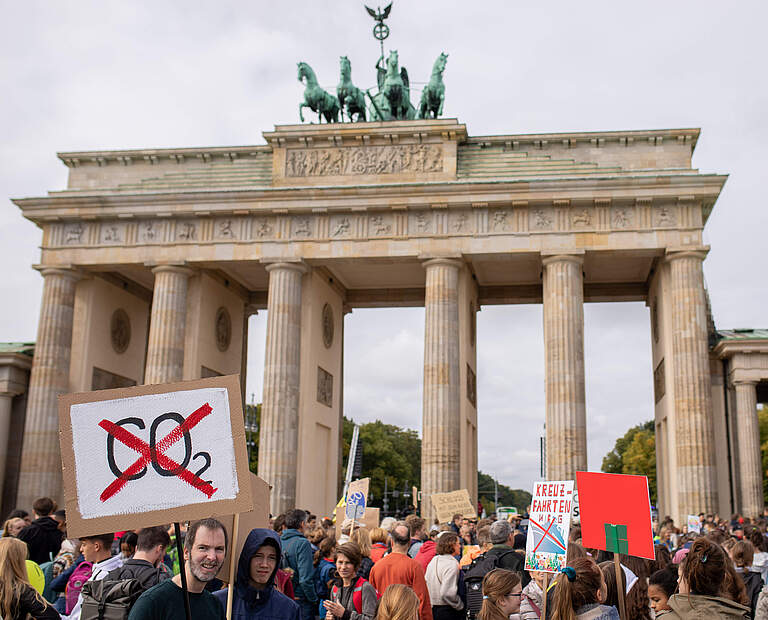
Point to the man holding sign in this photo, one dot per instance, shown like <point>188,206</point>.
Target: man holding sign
<point>204,550</point>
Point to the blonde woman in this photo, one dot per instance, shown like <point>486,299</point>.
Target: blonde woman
<point>13,526</point>
<point>362,539</point>
<point>17,597</point>
<point>399,602</point>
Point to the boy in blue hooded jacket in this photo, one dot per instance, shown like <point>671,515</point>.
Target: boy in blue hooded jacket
<point>255,595</point>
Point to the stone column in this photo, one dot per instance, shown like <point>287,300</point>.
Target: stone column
<point>279,434</point>
<point>563,284</point>
<point>40,469</point>
<point>165,348</point>
<point>6,401</point>
<point>748,445</point>
<point>694,431</point>
<point>441,436</point>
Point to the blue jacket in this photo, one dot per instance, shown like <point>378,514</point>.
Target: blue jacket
<point>249,603</point>
<point>298,557</point>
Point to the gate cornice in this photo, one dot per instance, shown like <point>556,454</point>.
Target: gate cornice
<point>70,206</point>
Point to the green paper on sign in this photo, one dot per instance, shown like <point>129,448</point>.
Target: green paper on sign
<point>616,538</point>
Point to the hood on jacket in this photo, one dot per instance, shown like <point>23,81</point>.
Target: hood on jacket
<point>689,606</point>
<point>256,539</point>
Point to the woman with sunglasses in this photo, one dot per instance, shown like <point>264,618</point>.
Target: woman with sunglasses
<point>502,590</point>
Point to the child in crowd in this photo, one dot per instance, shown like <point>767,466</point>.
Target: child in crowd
<point>661,585</point>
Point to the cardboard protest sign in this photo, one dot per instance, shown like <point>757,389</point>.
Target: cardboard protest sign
<point>448,504</point>
<point>153,454</point>
<point>258,517</point>
<point>369,521</point>
<point>357,498</point>
<point>621,502</point>
<point>548,526</point>
<point>694,524</point>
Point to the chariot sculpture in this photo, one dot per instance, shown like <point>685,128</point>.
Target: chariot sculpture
<point>392,101</point>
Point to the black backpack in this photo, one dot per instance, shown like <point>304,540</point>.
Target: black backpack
<point>473,579</point>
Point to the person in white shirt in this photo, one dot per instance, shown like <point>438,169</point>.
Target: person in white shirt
<point>96,549</point>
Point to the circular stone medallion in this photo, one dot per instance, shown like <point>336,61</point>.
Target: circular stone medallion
<point>223,329</point>
<point>327,326</point>
<point>120,330</point>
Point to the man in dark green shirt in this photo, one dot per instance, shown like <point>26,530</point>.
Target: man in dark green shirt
<point>204,551</point>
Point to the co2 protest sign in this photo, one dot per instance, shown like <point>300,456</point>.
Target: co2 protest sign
<point>154,454</point>
<point>548,526</point>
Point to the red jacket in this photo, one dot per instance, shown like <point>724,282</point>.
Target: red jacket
<point>425,553</point>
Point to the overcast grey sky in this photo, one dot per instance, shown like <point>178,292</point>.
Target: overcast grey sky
<point>104,74</point>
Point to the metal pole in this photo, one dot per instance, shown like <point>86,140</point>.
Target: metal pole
<point>495,496</point>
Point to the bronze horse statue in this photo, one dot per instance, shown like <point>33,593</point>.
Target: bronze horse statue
<point>393,102</point>
<point>315,98</point>
<point>433,95</point>
<point>350,96</point>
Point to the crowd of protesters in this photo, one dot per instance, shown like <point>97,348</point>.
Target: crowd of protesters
<point>305,568</point>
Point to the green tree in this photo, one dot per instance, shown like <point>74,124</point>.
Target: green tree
<point>507,496</point>
<point>252,425</point>
<point>635,453</point>
<point>388,451</point>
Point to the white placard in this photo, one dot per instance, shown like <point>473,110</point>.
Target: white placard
<point>132,419</point>
<point>548,526</point>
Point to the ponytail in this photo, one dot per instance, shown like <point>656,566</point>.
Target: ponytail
<point>577,586</point>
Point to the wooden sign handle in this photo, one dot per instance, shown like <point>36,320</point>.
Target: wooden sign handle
<point>183,570</point>
<point>544,597</point>
<point>620,589</point>
<point>232,565</point>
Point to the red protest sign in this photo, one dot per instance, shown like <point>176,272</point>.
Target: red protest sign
<point>616,499</point>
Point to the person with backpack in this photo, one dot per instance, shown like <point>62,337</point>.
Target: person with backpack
<point>501,555</point>
<point>18,599</point>
<point>255,594</point>
<point>353,598</point>
<point>120,589</point>
<point>97,551</point>
<point>325,569</point>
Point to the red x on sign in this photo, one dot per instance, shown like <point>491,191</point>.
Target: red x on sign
<point>142,447</point>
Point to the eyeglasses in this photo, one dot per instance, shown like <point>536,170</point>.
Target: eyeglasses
<point>518,594</point>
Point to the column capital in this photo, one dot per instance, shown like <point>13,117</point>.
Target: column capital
<point>66,271</point>
<point>699,252</point>
<point>299,265</point>
<point>179,268</point>
<point>548,258</point>
<point>744,382</point>
<point>448,261</point>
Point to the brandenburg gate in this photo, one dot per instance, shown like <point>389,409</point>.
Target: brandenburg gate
<point>153,260</point>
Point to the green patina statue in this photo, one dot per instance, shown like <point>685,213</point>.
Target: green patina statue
<point>351,98</point>
<point>315,98</point>
<point>392,102</point>
<point>433,96</point>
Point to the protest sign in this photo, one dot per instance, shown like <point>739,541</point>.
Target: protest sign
<point>620,501</point>
<point>357,498</point>
<point>694,524</point>
<point>448,504</point>
<point>258,517</point>
<point>153,454</point>
<point>548,527</point>
<point>369,521</point>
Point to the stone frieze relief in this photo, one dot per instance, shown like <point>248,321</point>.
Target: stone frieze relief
<point>352,161</point>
